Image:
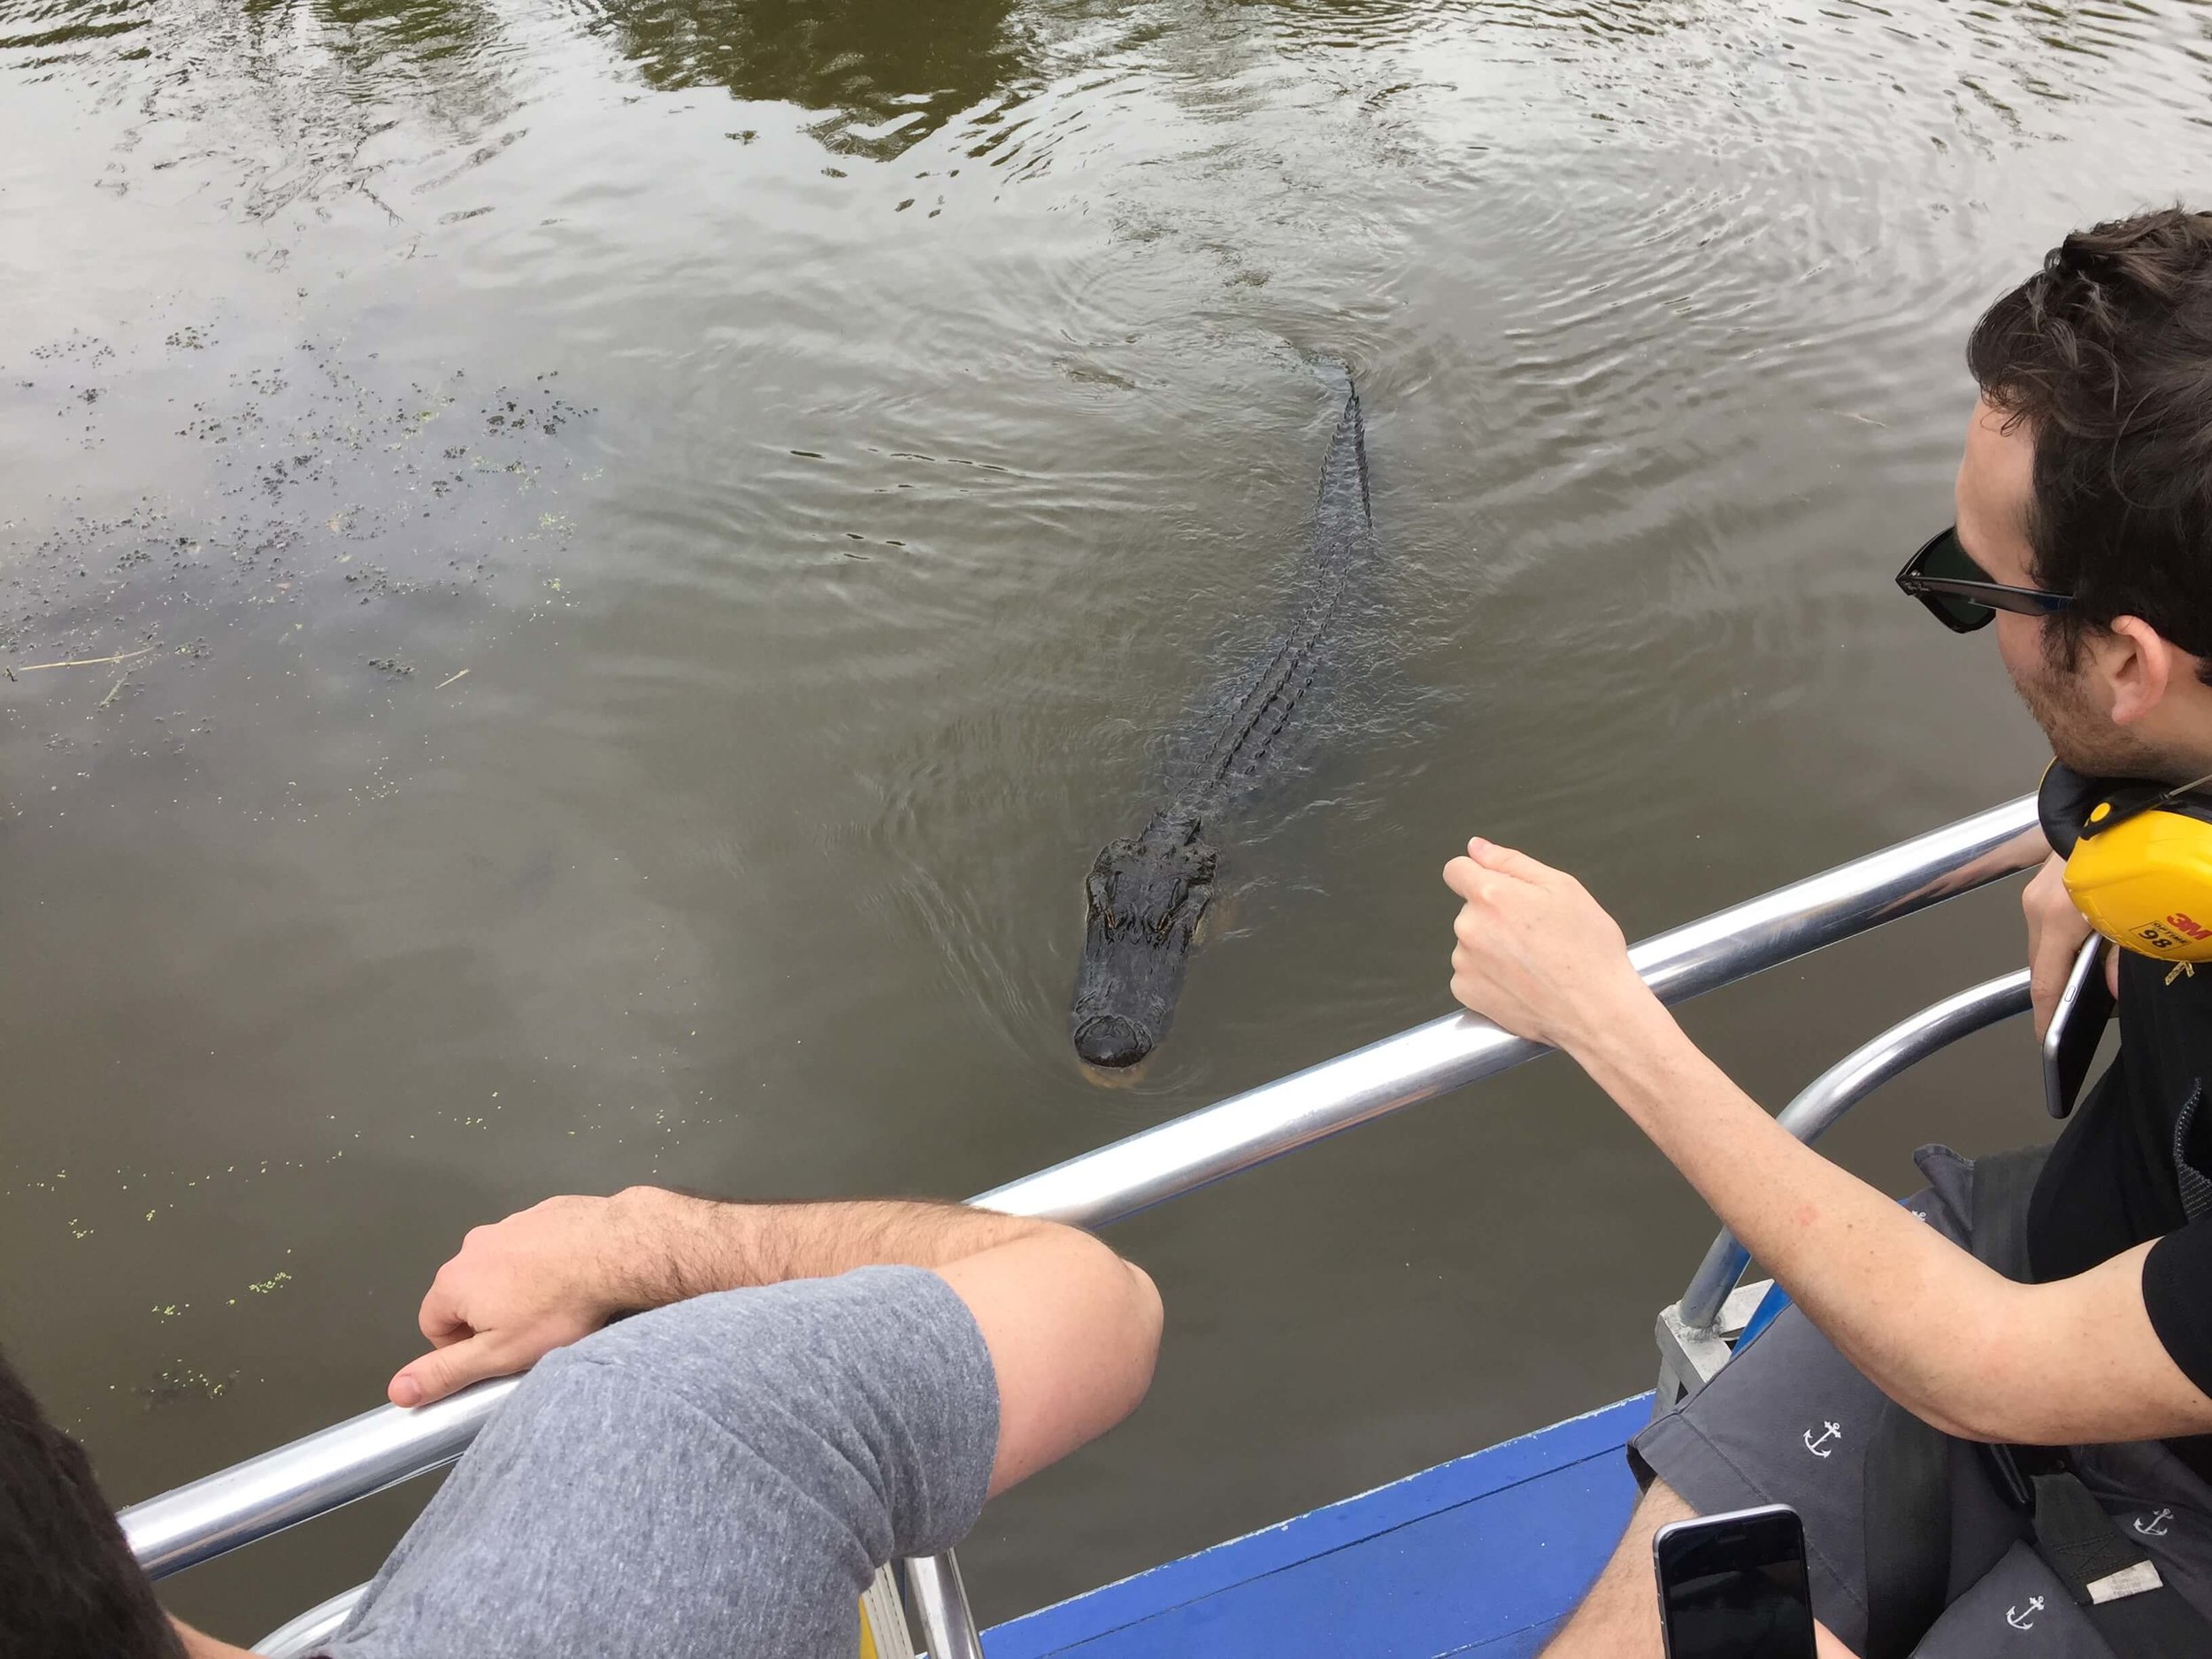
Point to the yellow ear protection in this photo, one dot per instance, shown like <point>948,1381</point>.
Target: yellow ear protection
<point>2138,859</point>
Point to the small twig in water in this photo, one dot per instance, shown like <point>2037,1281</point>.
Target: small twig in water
<point>447,680</point>
<point>81,662</point>
<point>112,690</point>
<point>381,202</point>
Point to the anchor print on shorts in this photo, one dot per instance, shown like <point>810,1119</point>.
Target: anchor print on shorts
<point>2155,1526</point>
<point>1829,1431</point>
<point>2018,1620</point>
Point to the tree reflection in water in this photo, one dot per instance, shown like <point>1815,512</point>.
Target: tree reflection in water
<point>887,71</point>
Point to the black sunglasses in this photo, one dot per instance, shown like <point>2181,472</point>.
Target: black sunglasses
<point>1958,592</point>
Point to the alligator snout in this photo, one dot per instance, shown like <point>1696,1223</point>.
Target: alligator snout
<point>1112,1042</point>
<point>1143,901</point>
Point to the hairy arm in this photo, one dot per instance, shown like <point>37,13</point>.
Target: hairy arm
<point>1956,1343</point>
<point>198,1644</point>
<point>1072,1328</point>
<point>1953,1341</point>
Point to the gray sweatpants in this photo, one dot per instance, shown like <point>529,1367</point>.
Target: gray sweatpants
<point>1788,1422</point>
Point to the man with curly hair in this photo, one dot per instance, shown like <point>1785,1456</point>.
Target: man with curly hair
<point>2058,1308</point>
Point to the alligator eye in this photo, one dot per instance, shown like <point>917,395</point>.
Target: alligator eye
<point>1188,911</point>
<point>1100,891</point>
<point>1165,926</point>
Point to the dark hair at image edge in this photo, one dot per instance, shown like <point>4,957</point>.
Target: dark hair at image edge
<point>2105,355</point>
<point>69,1587</point>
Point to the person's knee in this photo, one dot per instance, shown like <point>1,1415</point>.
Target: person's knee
<point>1660,1506</point>
<point>1618,1617</point>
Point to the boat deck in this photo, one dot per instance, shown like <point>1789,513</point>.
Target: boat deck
<point>1484,1554</point>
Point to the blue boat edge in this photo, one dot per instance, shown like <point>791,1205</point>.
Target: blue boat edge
<point>1484,1554</point>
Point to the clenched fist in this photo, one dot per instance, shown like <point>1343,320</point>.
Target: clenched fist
<point>1535,952</point>
<point>543,1278</point>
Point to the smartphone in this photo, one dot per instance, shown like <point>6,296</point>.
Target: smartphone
<point>1733,1587</point>
<point>2076,1028</point>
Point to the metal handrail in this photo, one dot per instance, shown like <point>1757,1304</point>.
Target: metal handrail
<point>381,1448</point>
<point>940,1600</point>
<point>311,1628</point>
<point>1248,1129</point>
<point>1844,1084</point>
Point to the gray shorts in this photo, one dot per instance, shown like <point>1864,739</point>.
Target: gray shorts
<point>1786,1422</point>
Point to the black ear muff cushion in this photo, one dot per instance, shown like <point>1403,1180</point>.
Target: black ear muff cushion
<point>2065,801</point>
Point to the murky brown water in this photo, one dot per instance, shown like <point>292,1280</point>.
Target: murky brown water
<point>830,443</point>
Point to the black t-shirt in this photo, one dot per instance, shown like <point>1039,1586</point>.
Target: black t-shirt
<point>2133,1164</point>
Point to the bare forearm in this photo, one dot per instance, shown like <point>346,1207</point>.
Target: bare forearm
<point>199,1645</point>
<point>557,1271</point>
<point>689,1247</point>
<point>2073,1360</point>
<point>1874,1279</point>
<point>1536,953</point>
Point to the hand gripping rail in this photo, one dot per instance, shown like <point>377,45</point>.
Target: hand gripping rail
<point>382,1447</point>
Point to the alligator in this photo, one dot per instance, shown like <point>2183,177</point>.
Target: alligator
<point>1148,894</point>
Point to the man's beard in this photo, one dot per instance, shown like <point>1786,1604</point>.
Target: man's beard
<point>2084,738</point>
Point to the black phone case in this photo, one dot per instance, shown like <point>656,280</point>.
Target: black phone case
<point>2070,1045</point>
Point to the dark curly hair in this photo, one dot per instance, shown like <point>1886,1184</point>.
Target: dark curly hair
<point>69,1587</point>
<point>2105,355</point>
